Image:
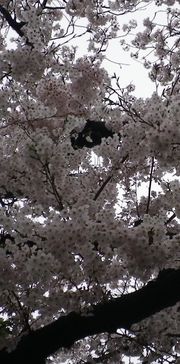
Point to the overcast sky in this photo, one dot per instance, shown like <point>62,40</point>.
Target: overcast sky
<point>119,61</point>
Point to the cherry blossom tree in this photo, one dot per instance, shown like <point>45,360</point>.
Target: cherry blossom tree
<point>89,185</point>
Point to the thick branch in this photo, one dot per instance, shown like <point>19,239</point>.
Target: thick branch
<point>105,317</point>
<point>12,22</point>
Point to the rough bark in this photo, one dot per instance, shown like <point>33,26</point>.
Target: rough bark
<point>104,317</point>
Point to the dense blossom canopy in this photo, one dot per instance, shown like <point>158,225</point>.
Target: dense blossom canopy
<point>89,182</point>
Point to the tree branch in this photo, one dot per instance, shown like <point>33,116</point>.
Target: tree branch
<point>107,181</point>
<point>12,22</point>
<point>117,313</point>
<point>102,187</point>
<point>150,185</point>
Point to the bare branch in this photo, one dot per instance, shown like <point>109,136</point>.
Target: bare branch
<point>150,185</point>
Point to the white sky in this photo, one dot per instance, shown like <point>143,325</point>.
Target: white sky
<point>134,72</point>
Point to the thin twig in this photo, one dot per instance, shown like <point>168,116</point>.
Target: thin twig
<point>102,187</point>
<point>107,180</point>
<point>150,185</point>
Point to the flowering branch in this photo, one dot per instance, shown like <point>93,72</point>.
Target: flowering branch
<point>108,316</point>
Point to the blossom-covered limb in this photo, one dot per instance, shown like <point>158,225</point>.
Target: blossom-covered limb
<point>108,316</point>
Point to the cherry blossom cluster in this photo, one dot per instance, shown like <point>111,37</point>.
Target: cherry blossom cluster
<point>74,227</point>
